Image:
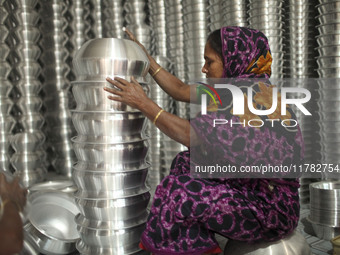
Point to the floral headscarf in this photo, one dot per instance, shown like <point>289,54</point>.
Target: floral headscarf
<point>246,53</point>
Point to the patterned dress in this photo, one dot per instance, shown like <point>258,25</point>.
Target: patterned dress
<point>187,211</point>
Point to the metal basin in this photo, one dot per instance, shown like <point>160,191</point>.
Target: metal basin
<point>118,126</point>
<point>91,96</point>
<point>128,238</point>
<point>51,217</point>
<point>113,209</point>
<point>57,185</point>
<point>293,244</point>
<point>113,153</point>
<point>102,57</point>
<point>109,181</point>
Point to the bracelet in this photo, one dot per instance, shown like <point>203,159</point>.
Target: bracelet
<point>156,72</point>
<point>157,116</point>
<point>2,207</point>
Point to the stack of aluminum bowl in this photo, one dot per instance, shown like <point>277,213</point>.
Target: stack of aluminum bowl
<point>329,90</point>
<point>111,150</point>
<point>215,15</point>
<point>325,209</point>
<point>175,40</point>
<point>195,21</point>
<point>300,40</point>
<point>329,39</point>
<point>59,129</point>
<point>162,148</point>
<point>266,16</point>
<point>136,19</point>
<point>235,13</point>
<point>113,18</point>
<point>29,157</point>
<point>158,23</point>
<point>50,226</point>
<point>175,36</point>
<point>7,122</point>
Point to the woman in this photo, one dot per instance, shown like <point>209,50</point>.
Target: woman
<point>187,211</point>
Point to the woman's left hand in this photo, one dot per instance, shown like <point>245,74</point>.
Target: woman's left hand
<point>130,93</point>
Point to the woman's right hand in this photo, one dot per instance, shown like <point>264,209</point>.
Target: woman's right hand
<point>12,191</point>
<point>133,38</point>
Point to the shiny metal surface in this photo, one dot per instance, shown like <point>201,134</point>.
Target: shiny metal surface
<point>27,141</point>
<point>118,127</point>
<point>51,216</point>
<point>128,238</point>
<point>324,232</point>
<point>90,96</point>
<point>113,209</point>
<point>110,153</point>
<point>114,224</point>
<point>109,181</point>
<point>107,167</point>
<point>293,244</point>
<point>58,185</point>
<point>99,58</point>
<point>85,249</point>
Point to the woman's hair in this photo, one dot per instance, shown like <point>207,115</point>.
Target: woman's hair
<point>215,41</point>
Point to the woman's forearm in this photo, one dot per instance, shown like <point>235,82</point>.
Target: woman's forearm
<point>11,230</point>
<point>173,126</point>
<point>171,84</point>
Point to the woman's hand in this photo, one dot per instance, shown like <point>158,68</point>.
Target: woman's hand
<point>133,38</point>
<point>12,192</point>
<point>130,93</point>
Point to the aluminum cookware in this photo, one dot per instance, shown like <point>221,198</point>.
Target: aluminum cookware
<point>102,57</point>
<point>113,209</point>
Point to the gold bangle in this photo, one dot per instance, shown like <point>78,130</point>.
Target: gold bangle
<point>156,72</point>
<point>157,116</point>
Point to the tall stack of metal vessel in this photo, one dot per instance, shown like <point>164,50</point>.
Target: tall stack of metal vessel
<point>329,67</point>
<point>7,122</point>
<point>300,64</point>
<point>111,150</point>
<point>215,16</point>
<point>113,18</point>
<point>59,129</point>
<point>235,13</point>
<point>28,159</point>
<point>266,16</point>
<point>137,20</point>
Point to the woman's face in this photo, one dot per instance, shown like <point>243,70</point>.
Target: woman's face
<point>213,66</point>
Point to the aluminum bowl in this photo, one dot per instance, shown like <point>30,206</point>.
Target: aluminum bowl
<point>324,232</point>
<point>107,167</point>
<point>110,153</point>
<point>110,181</point>
<point>57,185</point>
<point>128,238</point>
<point>51,216</point>
<point>331,28</point>
<point>102,57</point>
<point>91,96</point>
<point>27,141</point>
<point>292,244</point>
<point>116,209</point>
<point>120,126</point>
<point>324,194</point>
<point>85,249</point>
<point>333,6</point>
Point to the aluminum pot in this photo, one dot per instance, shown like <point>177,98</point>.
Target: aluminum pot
<point>128,238</point>
<point>113,153</point>
<point>91,96</point>
<point>51,221</point>
<point>293,244</point>
<point>114,224</point>
<point>109,181</point>
<point>113,209</point>
<point>85,249</point>
<point>119,126</point>
<point>102,57</point>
